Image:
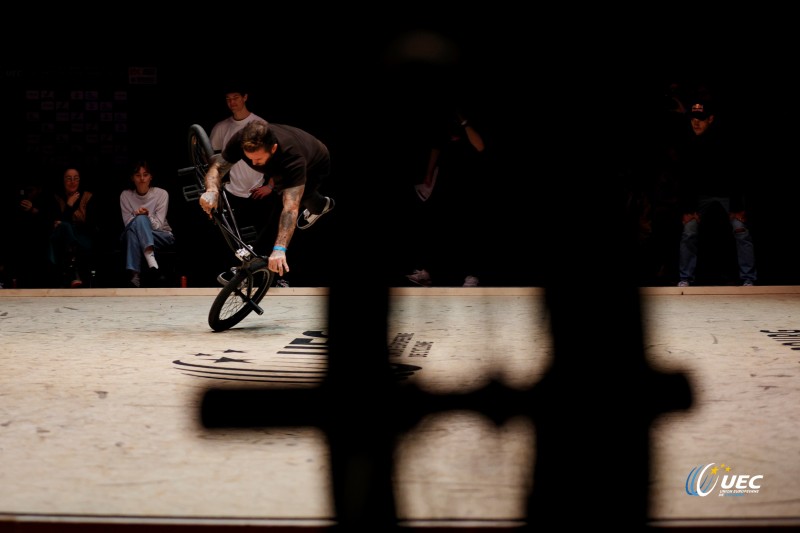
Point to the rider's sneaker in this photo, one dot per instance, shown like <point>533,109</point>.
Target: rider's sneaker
<point>306,219</point>
<point>224,277</point>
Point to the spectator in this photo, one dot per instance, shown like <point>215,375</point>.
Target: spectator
<point>710,179</point>
<point>447,225</point>
<point>32,223</point>
<point>73,231</point>
<point>243,181</point>
<point>144,213</point>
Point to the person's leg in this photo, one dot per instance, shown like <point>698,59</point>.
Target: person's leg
<point>138,238</point>
<point>63,252</point>
<point>60,241</point>
<point>163,240</point>
<point>744,251</point>
<point>687,262</point>
<point>313,203</point>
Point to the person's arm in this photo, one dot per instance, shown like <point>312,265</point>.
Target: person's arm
<point>215,137</point>
<point>473,136</point>
<point>158,217</point>
<point>433,161</point>
<point>257,193</point>
<point>213,178</point>
<point>287,222</point>
<point>80,214</point>
<point>126,208</point>
<point>67,207</point>
<point>218,168</point>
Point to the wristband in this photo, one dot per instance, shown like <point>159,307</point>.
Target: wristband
<point>279,248</point>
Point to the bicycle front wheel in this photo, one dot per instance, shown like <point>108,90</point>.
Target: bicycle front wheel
<point>239,297</point>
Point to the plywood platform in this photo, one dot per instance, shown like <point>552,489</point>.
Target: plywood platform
<point>101,388</point>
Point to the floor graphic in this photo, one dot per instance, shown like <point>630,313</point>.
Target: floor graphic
<point>301,362</point>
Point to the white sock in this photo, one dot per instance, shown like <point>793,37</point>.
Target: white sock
<point>151,259</point>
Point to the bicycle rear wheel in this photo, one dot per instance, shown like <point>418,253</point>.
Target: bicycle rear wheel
<point>239,297</point>
<point>200,152</point>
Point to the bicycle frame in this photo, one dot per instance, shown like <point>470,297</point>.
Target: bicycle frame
<point>239,240</point>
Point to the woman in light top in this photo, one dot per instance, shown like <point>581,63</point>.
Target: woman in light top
<point>144,214</point>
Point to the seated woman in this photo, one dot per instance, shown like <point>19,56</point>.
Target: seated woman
<point>144,214</point>
<point>72,235</point>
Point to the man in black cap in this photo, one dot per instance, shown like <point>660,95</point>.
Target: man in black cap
<point>711,176</point>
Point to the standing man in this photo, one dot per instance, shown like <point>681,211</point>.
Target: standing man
<point>711,176</point>
<point>293,161</point>
<point>244,181</point>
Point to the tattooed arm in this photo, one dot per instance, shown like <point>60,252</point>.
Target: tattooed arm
<point>209,199</point>
<point>286,225</point>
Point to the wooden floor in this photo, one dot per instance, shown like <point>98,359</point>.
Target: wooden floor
<point>101,392</point>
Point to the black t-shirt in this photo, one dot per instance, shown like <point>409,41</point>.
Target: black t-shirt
<point>301,158</point>
<point>709,167</point>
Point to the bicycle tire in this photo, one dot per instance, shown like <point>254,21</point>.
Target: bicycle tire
<point>231,304</point>
<point>200,152</point>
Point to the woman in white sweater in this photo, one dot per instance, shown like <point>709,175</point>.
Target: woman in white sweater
<point>144,214</point>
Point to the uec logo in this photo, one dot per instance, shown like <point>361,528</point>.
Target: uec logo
<point>702,480</point>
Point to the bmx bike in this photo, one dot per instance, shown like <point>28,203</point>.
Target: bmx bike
<point>251,279</point>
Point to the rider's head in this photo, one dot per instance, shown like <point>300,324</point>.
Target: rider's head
<point>258,142</point>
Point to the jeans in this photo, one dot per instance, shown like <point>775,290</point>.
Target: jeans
<point>744,242</point>
<point>65,242</point>
<point>139,235</point>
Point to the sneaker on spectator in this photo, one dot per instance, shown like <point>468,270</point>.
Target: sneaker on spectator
<point>306,219</point>
<point>420,277</point>
<point>423,191</point>
<point>282,283</point>
<point>683,283</point>
<point>471,281</point>
<point>748,283</point>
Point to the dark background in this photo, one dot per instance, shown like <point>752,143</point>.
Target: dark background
<point>564,105</point>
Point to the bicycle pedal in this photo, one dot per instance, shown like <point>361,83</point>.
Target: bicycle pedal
<point>192,193</point>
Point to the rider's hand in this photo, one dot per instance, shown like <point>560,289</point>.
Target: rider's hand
<point>277,262</point>
<point>208,201</point>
